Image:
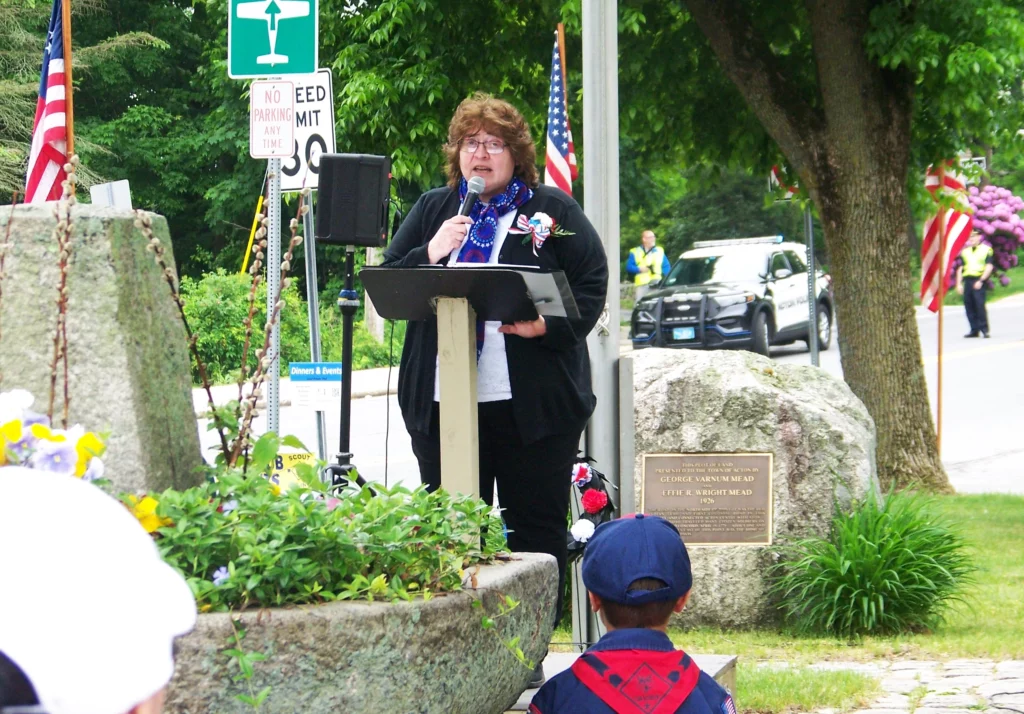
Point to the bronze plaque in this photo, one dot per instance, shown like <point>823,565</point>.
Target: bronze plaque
<point>713,499</point>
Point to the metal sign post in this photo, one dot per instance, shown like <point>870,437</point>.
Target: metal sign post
<point>275,38</point>
<point>775,184</point>
<point>273,293</point>
<point>812,292</point>
<point>313,136</point>
<point>271,121</point>
<point>313,305</point>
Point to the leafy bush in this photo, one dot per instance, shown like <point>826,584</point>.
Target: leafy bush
<point>887,566</point>
<point>367,353</point>
<point>241,543</point>
<point>217,303</point>
<point>216,306</point>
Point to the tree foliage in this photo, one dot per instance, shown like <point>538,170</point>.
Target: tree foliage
<point>23,25</point>
<point>855,97</point>
<point>689,207</point>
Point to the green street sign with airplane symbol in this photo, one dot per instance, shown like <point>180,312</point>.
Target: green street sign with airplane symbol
<point>272,38</point>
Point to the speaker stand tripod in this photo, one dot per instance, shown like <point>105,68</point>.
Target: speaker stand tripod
<point>343,472</point>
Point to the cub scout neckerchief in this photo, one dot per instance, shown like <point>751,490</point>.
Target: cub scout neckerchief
<point>638,681</point>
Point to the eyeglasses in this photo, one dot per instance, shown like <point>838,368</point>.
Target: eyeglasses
<point>493,146</point>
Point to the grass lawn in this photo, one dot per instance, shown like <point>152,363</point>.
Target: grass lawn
<point>990,624</point>
<point>766,689</point>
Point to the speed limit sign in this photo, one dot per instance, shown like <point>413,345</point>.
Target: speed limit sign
<point>314,130</point>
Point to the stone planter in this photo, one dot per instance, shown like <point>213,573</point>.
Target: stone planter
<point>353,657</point>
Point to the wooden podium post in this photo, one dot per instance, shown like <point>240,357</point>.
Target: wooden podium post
<point>456,356</point>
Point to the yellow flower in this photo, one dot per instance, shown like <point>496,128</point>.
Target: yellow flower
<point>88,445</point>
<point>10,433</point>
<point>41,431</point>
<point>145,511</point>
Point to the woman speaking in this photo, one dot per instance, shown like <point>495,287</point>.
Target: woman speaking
<point>533,378</point>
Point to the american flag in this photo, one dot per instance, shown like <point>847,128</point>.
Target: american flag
<point>560,161</point>
<point>958,228</point>
<point>49,134</point>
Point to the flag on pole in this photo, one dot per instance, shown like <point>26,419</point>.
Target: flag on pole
<point>958,226</point>
<point>776,180</point>
<point>560,160</point>
<point>49,133</point>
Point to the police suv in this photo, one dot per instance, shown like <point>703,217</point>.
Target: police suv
<point>746,292</point>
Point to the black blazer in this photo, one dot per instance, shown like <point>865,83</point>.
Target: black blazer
<point>550,375</point>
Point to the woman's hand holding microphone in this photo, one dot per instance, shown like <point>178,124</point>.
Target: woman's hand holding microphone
<point>449,237</point>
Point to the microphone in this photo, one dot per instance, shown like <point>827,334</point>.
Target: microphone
<point>473,191</point>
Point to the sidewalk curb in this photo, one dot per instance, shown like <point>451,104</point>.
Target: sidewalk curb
<point>262,404</point>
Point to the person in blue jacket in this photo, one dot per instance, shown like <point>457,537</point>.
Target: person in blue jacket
<point>637,572</point>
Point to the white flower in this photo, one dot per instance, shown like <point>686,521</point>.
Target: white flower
<point>95,470</point>
<point>14,403</point>
<point>581,473</point>
<point>544,220</point>
<point>582,530</point>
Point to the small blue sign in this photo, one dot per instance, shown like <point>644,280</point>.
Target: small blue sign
<point>314,371</point>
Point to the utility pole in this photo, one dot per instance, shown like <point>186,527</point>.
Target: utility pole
<point>601,204</point>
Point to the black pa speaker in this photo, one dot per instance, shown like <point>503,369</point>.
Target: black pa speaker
<point>353,204</point>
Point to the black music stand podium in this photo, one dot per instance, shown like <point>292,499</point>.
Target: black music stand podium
<point>457,296</point>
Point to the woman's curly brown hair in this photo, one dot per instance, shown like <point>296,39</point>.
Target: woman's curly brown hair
<point>498,117</point>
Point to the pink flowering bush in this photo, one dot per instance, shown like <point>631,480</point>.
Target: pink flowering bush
<point>996,218</point>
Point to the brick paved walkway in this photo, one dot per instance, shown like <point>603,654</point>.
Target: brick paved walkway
<point>960,686</point>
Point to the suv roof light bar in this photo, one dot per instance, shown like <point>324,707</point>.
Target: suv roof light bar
<point>737,241</point>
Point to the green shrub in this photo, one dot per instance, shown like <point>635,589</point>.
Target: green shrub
<point>216,306</point>
<point>240,543</point>
<point>367,353</point>
<point>888,566</point>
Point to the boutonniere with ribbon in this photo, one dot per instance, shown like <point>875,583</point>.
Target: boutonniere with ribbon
<point>594,505</point>
<point>537,229</point>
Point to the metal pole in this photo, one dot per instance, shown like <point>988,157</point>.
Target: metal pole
<point>601,178</point>
<point>273,294</point>
<point>812,292</point>
<point>313,306</point>
<point>942,299</point>
<point>348,303</point>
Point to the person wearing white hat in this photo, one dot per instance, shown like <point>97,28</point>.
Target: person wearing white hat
<point>88,609</point>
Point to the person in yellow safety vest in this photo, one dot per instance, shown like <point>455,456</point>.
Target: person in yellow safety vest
<point>970,282</point>
<point>647,263</point>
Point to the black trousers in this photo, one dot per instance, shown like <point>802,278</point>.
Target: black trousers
<point>974,303</point>
<point>533,480</point>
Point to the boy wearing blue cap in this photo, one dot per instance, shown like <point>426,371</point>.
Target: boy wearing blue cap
<point>637,572</point>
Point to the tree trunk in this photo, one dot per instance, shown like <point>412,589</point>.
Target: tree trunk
<point>878,339</point>
<point>850,145</point>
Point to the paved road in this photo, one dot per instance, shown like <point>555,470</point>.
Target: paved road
<point>983,430</point>
<point>983,394</point>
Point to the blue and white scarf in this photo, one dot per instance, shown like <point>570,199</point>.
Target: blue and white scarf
<point>482,233</point>
<point>485,219</point>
